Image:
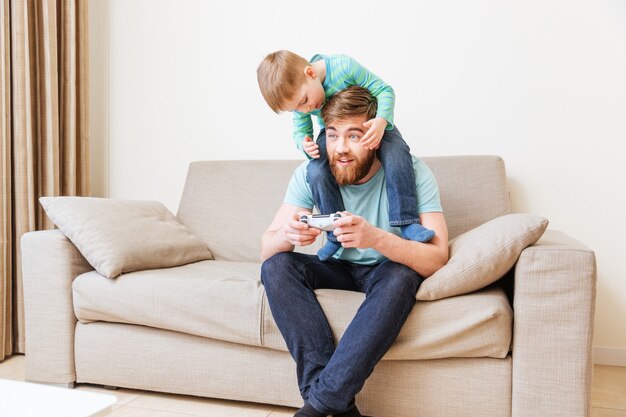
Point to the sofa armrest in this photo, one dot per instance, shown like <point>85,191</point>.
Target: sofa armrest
<point>50,262</point>
<point>554,304</point>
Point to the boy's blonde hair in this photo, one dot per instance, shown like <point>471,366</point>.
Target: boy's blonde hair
<point>280,75</point>
<point>354,101</point>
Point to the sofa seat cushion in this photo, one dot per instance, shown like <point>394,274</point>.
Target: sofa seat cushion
<point>226,301</point>
<point>216,299</point>
<point>467,326</point>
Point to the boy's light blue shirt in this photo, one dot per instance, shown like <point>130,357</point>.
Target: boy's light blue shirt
<point>342,72</point>
<point>368,200</point>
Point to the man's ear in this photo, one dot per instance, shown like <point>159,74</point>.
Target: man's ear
<point>310,72</point>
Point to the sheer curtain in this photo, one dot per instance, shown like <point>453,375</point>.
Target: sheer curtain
<point>44,132</point>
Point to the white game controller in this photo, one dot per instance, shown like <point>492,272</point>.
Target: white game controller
<point>321,221</point>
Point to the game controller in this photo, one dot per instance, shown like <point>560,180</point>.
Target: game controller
<point>321,221</point>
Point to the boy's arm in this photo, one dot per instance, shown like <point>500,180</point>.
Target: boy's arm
<point>302,127</point>
<point>361,76</point>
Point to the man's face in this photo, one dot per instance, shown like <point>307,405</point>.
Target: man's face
<point>349,161</point>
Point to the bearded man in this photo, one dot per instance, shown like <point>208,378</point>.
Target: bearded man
<point>374,259</point>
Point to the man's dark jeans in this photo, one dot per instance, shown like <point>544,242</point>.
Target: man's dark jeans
<point>330,377</point>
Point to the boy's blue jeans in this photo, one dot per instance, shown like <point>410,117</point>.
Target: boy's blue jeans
<point>330,377</point>
<point>395,156</point>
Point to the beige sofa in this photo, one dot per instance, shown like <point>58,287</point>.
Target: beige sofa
<point>520,347</point>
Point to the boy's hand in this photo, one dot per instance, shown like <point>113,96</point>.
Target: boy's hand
<point>373,136</point>
<point>311,148</point>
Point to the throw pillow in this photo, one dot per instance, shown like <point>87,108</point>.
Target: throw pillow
<point>117,236</point>
<point>483,255</point>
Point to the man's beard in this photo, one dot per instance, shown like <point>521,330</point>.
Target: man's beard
<point>353,173</point>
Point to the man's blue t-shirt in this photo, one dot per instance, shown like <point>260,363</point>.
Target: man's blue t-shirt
<point>368,200</point>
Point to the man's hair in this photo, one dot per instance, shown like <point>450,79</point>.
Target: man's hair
<point>354,101</point>
<point>280,75</point>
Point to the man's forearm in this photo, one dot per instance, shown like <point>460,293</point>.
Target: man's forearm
<point>273,242</point>
<point>423,258</point>
<point>287,231</point>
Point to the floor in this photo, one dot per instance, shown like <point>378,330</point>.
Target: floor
<point>608,398</point>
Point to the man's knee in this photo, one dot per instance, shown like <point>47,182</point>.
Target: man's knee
<point>403,279</point>
<point>279,269</point>
<point>274,267</point>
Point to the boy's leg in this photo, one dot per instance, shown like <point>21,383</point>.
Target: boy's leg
<point>390,290</point>
<point>290,280</point>
<point>325,193</point>
<point>395,156</point>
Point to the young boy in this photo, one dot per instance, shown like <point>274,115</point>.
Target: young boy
<point>289,82</point>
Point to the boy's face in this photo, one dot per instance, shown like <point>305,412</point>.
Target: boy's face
<point>310,96</point>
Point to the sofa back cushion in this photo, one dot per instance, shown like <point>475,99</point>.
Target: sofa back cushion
<point>229,204</point>
<point>473,190</point>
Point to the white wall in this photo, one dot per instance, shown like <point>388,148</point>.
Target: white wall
<point>541,83</point>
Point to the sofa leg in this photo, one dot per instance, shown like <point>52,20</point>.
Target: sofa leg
<point>109,387</point>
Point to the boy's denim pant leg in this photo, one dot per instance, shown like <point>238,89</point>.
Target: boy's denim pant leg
<point>397,162</point>
<point>323,185</point>
<point>330,377</point>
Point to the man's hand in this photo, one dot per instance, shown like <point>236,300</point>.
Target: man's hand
<point>376,130</point>
<point>310,147</point>
<point>354,231</point>
<point>287,231</point>
<point>297,233</point>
